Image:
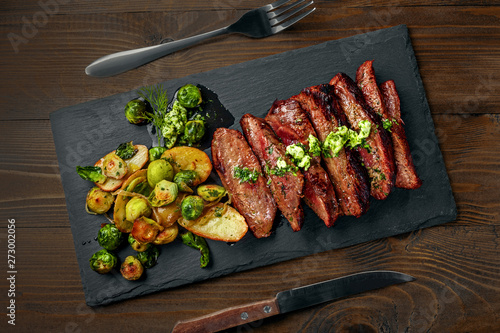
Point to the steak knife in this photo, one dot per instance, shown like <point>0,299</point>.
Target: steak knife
<point>291,300</point>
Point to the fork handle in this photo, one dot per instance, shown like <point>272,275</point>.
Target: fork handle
<point>120,62</point>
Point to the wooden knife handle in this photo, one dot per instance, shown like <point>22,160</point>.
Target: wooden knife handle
<point>230,317</point>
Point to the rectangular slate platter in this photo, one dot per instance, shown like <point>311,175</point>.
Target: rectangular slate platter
<point>86,132</point>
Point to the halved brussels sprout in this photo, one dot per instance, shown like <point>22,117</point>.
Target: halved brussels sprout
<point>145,230</point>
<point>189,96</point>
<point>149,258</point>
<point>155,153</point>
<point>185,179</point>
<point>136,208</point>
<point>137,246</point>
<point>165,192</point>
<point>136,111</point>
<point>211,192</point>
<point>131,268</point>
<point>99,201</point>
<point>103,261</point>
<point>192,207</point>
<point>109,237</point>
<point>114,167</point>
<point>193,131</point>
<point>119,211</point>
<point>159,170</point>
<point>167,235</point>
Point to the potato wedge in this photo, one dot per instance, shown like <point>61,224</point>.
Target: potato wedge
<point>189,158</point>
<point>169,214</point>
<point>121,202</point>
<point>134,163</point>
<point>220,222</point>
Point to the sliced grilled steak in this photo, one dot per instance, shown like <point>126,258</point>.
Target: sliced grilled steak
<point>349,179</point>
<point>252,199</point>
<point>379,157</point>
<point>367,83</point>
<point>286,187</point>
<point>406,175</point>
<point>291,124</point>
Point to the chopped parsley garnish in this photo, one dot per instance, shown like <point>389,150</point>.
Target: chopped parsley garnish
<point>387,123</point>
<point>245,174</point>
<point>281,168</point>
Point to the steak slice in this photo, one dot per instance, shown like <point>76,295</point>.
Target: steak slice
<point>252,199</point>
<point>290,123</point>
<point>406,174</point>
<point>286,186</point>
<point>349,179</point>
<point>367,83</point>
<point>379,157</point>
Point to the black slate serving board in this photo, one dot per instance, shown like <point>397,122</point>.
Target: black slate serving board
<point>86,132</point>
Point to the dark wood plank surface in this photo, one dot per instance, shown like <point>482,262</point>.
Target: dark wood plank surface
<point>456,265</point>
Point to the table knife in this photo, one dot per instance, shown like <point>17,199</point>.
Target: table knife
<point>291,300</point>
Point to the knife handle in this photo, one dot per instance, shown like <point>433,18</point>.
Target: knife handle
<point>230,317</point>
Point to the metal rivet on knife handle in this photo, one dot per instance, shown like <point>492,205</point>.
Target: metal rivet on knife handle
<point>244,316</point>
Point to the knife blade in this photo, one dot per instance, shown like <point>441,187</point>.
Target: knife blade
<point>291,300</point>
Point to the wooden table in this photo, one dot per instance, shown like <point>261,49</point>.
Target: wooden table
<point>46,45</point>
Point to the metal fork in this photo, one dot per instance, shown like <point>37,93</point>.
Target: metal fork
<point>257,23</point>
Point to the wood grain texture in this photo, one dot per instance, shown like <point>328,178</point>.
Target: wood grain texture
<point>453,41</point>
<point>456,265</point>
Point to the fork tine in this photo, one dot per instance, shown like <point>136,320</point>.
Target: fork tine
<point>281,10</point>
<point>288,14</point>
<point>274,5</point>
<point>288,23</point>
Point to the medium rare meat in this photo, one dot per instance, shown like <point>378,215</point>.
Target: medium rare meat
<point>286,185</point>
<point>406,175</point>
<point>349,179</point>
<point>252,199</point>
<point>290,123</point>
<point>378,158</point>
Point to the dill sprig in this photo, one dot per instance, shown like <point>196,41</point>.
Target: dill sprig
<point>157,97</point>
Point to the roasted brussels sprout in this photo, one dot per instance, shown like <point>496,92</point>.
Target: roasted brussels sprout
<point>211,192</point>
<point>136,111</point>
<point>155,153</point>
<point>164,193</point>
<point>138,246</point>
<point>149,258</point>
<point>167,235</point>
<point>99,201</point>
<point>159,170</point>
<point>189,96</point>
<point>103,261</point>
<point>114,166</point>
<point>131,268</point>
<point>136,208</point>
<point>92,173</point>
<point>126,150</point>
<point>185,179</point>
<point>145,230</point>
<point>109,237</point>
<point>193,131</point>
<point>192,207</point>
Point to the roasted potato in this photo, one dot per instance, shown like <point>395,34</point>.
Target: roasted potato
<point>189,158</point>
<point>220,222</point>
